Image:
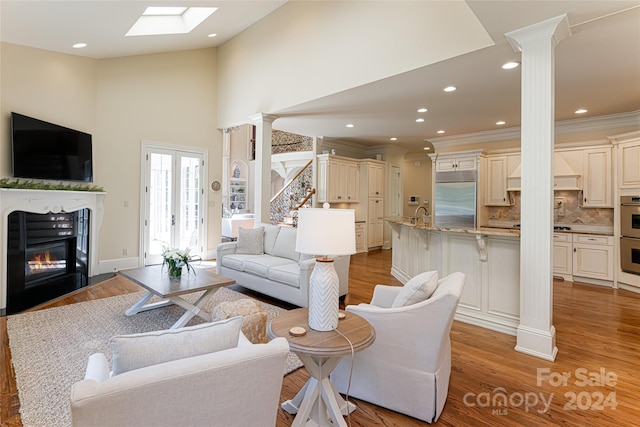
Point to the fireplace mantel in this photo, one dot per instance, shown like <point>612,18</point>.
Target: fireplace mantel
<point>44,201</point>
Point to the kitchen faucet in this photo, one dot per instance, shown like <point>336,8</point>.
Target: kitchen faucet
<point>426,212</point>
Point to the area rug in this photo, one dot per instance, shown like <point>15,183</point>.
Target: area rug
<point>50,348</point>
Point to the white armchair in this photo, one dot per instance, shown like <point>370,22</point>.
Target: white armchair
<point>239,386</point>
<point>408,366</point>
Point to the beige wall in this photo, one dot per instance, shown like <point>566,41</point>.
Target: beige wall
<point>165,98</point>
<point>308,49</point>
<point>416,181</point>
<point>50,86</point>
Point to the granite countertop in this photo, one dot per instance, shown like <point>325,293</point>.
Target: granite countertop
<point>486,231</point>
<point>501,230</point>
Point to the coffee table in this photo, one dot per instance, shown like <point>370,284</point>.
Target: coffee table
<point>318,403</point>
<point>156,281</point>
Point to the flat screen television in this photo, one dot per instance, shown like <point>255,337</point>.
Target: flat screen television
<point>43,150</point>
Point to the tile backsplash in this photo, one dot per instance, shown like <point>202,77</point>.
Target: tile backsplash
<point>567,210</point>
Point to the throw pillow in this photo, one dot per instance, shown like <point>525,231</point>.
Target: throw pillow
<point>139,350</point>
<point>417,289</point>
<point>285,246</point>
<point>270,234</point>
<point>250,241</point>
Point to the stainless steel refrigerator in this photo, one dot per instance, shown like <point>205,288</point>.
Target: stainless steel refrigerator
<point>455,199</point>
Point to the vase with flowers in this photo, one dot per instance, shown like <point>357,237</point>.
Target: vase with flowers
<point>176,260</point>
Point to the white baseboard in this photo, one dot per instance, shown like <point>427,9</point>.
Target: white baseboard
<point>114,265</point>
<point>630,288</point>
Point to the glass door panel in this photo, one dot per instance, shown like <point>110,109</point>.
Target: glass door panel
<point>190,191</point>
<point>160,195</point>
<point>173,203</point>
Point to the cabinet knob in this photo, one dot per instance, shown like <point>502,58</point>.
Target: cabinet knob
<point>585,200</point>
<point>575,250</point>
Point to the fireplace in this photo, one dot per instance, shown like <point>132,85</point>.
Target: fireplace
<point>47,256</point>
<point>48,244</point>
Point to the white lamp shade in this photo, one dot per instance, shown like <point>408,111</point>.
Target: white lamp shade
<point>326,232</point>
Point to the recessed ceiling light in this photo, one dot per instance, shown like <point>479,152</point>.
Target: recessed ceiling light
<point>169,20</point>
<point>79,45</point>
<point>449,88</point>
<point>440,131</point>
<point>393,138</point>
<point>510,65</point>
<point>212,35</point>
<point>350,125</point>
<point>420,120</point>
<point>500,122</point>
<point>422,110</point>
<point>581,111</point>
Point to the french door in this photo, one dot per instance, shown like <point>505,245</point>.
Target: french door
<point>173,201</point>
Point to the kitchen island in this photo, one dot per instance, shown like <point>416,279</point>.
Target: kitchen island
<point>490,257</point>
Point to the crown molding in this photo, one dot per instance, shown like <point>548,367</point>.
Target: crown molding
<point>263,117</point>
<point>566,127</point>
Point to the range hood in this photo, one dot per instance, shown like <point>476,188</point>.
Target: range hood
<point>564,177</point>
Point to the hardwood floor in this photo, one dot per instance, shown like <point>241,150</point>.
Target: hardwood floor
<point>598,337</point>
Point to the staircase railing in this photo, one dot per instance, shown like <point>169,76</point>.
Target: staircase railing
<point>297,193</point>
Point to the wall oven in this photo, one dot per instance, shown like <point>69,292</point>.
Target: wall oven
<point>630,234</point>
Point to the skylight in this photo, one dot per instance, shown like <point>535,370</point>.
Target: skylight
<point>169,20</point>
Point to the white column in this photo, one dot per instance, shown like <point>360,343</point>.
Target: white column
<point>536,334</point>
<point>262,177</point>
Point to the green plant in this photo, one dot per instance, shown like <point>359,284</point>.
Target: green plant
<point>36,185</point>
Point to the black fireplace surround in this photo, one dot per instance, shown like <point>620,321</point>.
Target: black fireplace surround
<point>47,256</point>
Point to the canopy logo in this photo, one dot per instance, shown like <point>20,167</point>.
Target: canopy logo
<point>584,399</point>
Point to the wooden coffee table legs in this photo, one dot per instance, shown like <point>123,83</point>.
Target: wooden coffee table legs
<point>191,310</point>
<point>318,402</point>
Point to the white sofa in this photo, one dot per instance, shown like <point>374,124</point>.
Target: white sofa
<point>279,271</point>
<point>236,386</point>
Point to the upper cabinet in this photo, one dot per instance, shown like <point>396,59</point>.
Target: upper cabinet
<point>588,169</point>
<point>338,179</point>
<point>597,187</point>
<point>372,178</point>
<point>629,164</point>
<point>375,179</point>
<point>444,163</point>
<point>496,194</point>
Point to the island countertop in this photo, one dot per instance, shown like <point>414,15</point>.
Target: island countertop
<point>499,230</point>
<point>486,231</point>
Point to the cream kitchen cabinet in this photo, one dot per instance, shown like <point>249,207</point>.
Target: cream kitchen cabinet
<point>461,163</point>
<point>629,164</point>
<point>496,185</point>
<point>593,256</point>
<point>597,178</point>
<point>338,179</point>
<point>375,177</point>
<point>375,223</point>
<point>563,255</point>
<point>361,237</point>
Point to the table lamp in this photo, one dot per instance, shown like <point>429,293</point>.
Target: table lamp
<point>325,233</point>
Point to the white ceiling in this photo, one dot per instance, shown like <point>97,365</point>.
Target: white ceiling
<point>597,68</point>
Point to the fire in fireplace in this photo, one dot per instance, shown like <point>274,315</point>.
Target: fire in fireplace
<point>45,260</point>
<point>47,256</point>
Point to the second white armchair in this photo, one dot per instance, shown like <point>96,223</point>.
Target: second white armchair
<point>407,369</point>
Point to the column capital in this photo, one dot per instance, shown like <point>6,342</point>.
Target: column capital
<point>262,117</point>
<point>556,28</point>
